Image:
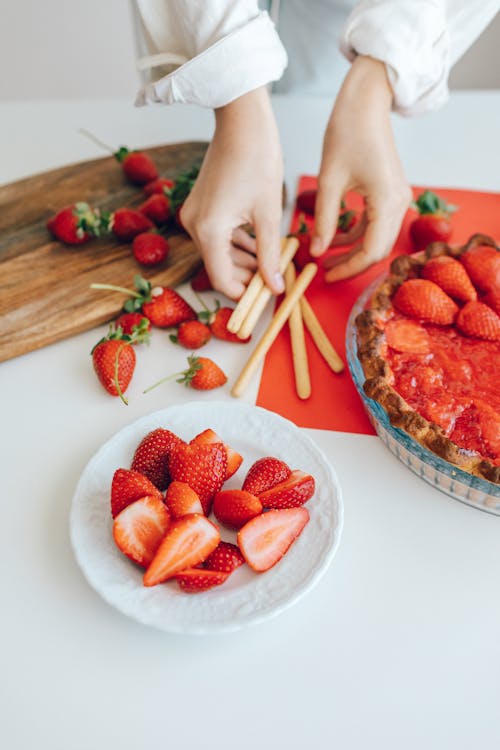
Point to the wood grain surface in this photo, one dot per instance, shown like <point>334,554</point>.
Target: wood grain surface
<point>45,290</point>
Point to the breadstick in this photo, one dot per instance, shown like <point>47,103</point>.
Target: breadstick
<point>274,327</point>
<point>319,337</point>
<point>289,248</point>
<point>299,351</point>
<point>245,303</point>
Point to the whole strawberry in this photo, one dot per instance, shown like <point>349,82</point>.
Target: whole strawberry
<point>478,320</point>
<point>202,466</point>
<point>424,300</point>
<point>150,248</point>
<point>433,223</point>
<point>306,201</point>
<point>152,456</point>
<point>156,208</point>
<point>158,186</point>
<point>127,223</point>
<point>303,255</point>
<point>192,334</point>
<point>75,224</point>
<point>114,361</point>
<point>200,281</point>
<point>138,167</point>
<point>482,263</point>
<point>217,320</point>
<point>203,374</point>
<point>134,322</point>
<point>451,276</point>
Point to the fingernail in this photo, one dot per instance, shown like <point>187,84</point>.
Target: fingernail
<point>316,246</point>
<point>279,284</point>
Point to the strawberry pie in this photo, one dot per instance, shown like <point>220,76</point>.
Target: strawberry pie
<point>429,345</point>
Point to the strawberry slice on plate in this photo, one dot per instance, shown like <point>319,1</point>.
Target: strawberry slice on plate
<point>187,543</point>
<point>407,336</point>
<point>181,500</point>
<point>234,459</point>
<point>128,486</point>
<point>139,529</point>
<point>294,491</point>
<point>195,580</point>
<point>264,540</point>
<point>234,508</point>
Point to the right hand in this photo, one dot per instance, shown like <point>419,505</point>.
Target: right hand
<point>240,182</point>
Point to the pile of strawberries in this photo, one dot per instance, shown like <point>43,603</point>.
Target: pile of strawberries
<point>161,508</point>
<point>79,223</point>
<point>463,292</point>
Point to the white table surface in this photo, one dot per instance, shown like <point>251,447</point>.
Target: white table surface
<point>397,646</point>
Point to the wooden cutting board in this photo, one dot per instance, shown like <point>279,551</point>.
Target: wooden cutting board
<point>45,290</point>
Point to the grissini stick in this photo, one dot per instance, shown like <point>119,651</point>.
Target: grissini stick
<point>319,337</point>
<point>274,327</point>
<point>298,340</point>
<point>289,248</point>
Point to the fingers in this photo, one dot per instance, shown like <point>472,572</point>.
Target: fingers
<point>330,192</point>
<point>267,232</point>
<point>243,259</point>
<point>354,234</point>
<point>242,239</point>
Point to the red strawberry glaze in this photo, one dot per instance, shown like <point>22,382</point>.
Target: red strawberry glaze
<point>456,386</point>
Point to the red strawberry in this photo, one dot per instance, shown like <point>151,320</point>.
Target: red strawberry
<point>234,508</point>
<point>200,281</point>
<point>134,322</point>
<point>265,473</point>
<point>492,299</point>
<point>195,580</point>
<point>202,467</point>
<point>407,336</point>
<point>138,167</point>
<point>303,255</point>
<point>296,490</point>
<point>346,220</point>
<point>306,201</point>
<point>218,326</point>
<point>75,224</point>
<point>424,300</point>
<point>433,224</point>
<point>449,274</point>
<point>183,185</point>
<point>203,374</point>
<point>234,459</point>
<point>167,308</point>
<point>182,500</point>
<point>127,223</point>
<point>158,186</point>
<point>114,361</point>
<point>152,456</point>
<point>226,557</point>
<point>150,248</point>
<point>192,334</point>
<point>188,542</point>
<point>127,487</point>
<point>156,208</point>
<point>482,263</point>
<point>264,540</point>
<point>478,320</point>
<point>139,529</point>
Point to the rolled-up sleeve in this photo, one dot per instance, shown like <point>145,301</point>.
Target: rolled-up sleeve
<point>419,41</point>
<point>219,50</point>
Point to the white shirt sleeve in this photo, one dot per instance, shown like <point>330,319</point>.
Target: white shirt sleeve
<point>418,40</point>
<point>221,50</point>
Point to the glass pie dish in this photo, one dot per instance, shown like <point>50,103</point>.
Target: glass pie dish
<point>459,484</point>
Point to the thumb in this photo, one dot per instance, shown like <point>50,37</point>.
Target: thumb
<point>267,232</point>
<point>327,211</point>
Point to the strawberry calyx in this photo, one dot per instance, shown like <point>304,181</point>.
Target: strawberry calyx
<point>206,315</point>
<point>303,228</point>
<point>346,220</point>
<point>88,220</point>
<point>183,185</point>
<point>430,203</point>
<point>122,154</point>
<point>144,292</point>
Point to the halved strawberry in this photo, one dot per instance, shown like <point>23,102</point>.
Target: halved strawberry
<point>407,336</point>
<point>226,557</point>
<point>202,467</point>
<point>234,459</point>
<point>128,486</point>
<point>139,529</point>
<point>296,490</point>
<point>264,474</point>
<point>152,455</point>
<point>264,540</point>
<point>234,508</point>
<point>449,274</point>
<point>188,542</point>
<point>195,580</point>
<point>182,500</point>
<point>479,320</point>
<point>424,300</point>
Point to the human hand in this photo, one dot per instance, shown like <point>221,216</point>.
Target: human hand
<point>240,182</point>
<point>359,154</point>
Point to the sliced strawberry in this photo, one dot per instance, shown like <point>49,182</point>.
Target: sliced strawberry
<point>264,474</point>
<point>128,486</point>
<point>188,542</point>
<point>202,467</point>
<point>424,300</point>
<point>407,336</point>
<point>264,540</point>
<point>449,274</point>
<point>482,263</point>
<point>296,490</point>
<point>181,500</point>
<point>478,320</point>
<point>226,557</point>
<point>140,527</point>
<point>234,508</point>
<point>152,456</point>
<point>195,580</point>
<point>234,459</point>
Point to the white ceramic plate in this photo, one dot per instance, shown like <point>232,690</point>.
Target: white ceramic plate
<point>246,597</point>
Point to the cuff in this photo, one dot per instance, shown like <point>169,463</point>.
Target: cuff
<point>238,63</point>
<point>412,40</point>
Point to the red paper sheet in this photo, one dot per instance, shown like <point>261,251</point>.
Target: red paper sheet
<point>334,403</point>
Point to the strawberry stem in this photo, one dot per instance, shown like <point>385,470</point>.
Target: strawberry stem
<point>112,288</point>
<point>160,382</point>
<point>116,381</point>
<point>96,140</point>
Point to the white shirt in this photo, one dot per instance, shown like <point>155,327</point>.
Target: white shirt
<point>217,50</point>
